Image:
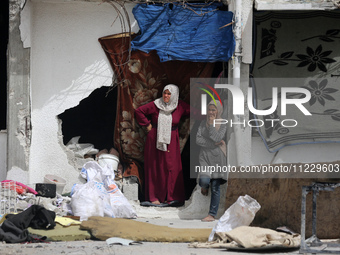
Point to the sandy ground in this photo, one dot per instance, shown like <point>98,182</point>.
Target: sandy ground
<point>100,247</point>
<point>93,247</point>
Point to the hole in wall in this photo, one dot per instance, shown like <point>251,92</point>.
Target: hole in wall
<point>93,119</point>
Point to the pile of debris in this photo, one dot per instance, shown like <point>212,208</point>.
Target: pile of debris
<point>22,207</point>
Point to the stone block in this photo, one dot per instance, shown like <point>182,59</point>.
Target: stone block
<point>130,190</point>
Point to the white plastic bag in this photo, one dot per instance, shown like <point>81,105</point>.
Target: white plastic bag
<point>241,213</point>
<point>114,202</point>
<point>87,201</point>
<point>92,171</point>
<point>120,205</point>
<point>81,149</point>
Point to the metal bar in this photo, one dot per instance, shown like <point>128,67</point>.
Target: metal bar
<point>315,193</point>
<point>303,217</point>
<point>313,241</point>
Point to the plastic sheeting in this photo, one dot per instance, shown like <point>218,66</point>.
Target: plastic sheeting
<point>187,33</point>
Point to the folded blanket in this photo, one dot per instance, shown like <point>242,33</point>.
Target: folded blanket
<point>251,237</point>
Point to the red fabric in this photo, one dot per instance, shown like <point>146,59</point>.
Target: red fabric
<point>22,187</point>
<point>141,77</point>
<point>162,169</point>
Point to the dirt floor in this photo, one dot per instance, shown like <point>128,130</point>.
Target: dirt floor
<point>96,247</point>
<point>101,248</point>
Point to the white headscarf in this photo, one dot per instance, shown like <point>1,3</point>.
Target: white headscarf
<point>164,124</point>
<point>219,108</point>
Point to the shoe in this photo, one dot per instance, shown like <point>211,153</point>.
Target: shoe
<point>175,203</point>
<point>148,204</point>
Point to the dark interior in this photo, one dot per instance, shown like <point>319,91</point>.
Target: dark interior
<point>93,119</point>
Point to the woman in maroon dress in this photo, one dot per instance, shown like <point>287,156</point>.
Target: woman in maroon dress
<point>162,157</point>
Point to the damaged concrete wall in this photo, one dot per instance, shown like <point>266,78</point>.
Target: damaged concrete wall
<point>3,154</point>
<point>59,49</point>
<point>280,201</point>
<point>296,5</point>
<point>18,116</point>
<point>67,63</point>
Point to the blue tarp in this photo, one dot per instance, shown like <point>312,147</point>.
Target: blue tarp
<point>177,32</point>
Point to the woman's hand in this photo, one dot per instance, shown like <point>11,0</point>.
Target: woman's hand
<point>212,114</point>
<point>211,120</point>
<point>222,142</point>
<point>148,128</point>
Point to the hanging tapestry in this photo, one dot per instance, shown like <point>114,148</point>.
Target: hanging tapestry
<point>141,78</point>
<point>297,50</point>
<point>194,32</point>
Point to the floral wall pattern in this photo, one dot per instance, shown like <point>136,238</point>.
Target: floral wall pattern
<point>287,54</point>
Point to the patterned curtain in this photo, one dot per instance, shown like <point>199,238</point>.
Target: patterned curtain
<point>141,77</point>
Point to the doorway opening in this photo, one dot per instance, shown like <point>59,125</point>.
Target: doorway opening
<point>94,121</point>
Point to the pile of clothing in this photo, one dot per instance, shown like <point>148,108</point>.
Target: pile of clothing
<point>14,227</point>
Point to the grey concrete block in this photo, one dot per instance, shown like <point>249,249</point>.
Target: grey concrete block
<point>130,191</point>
